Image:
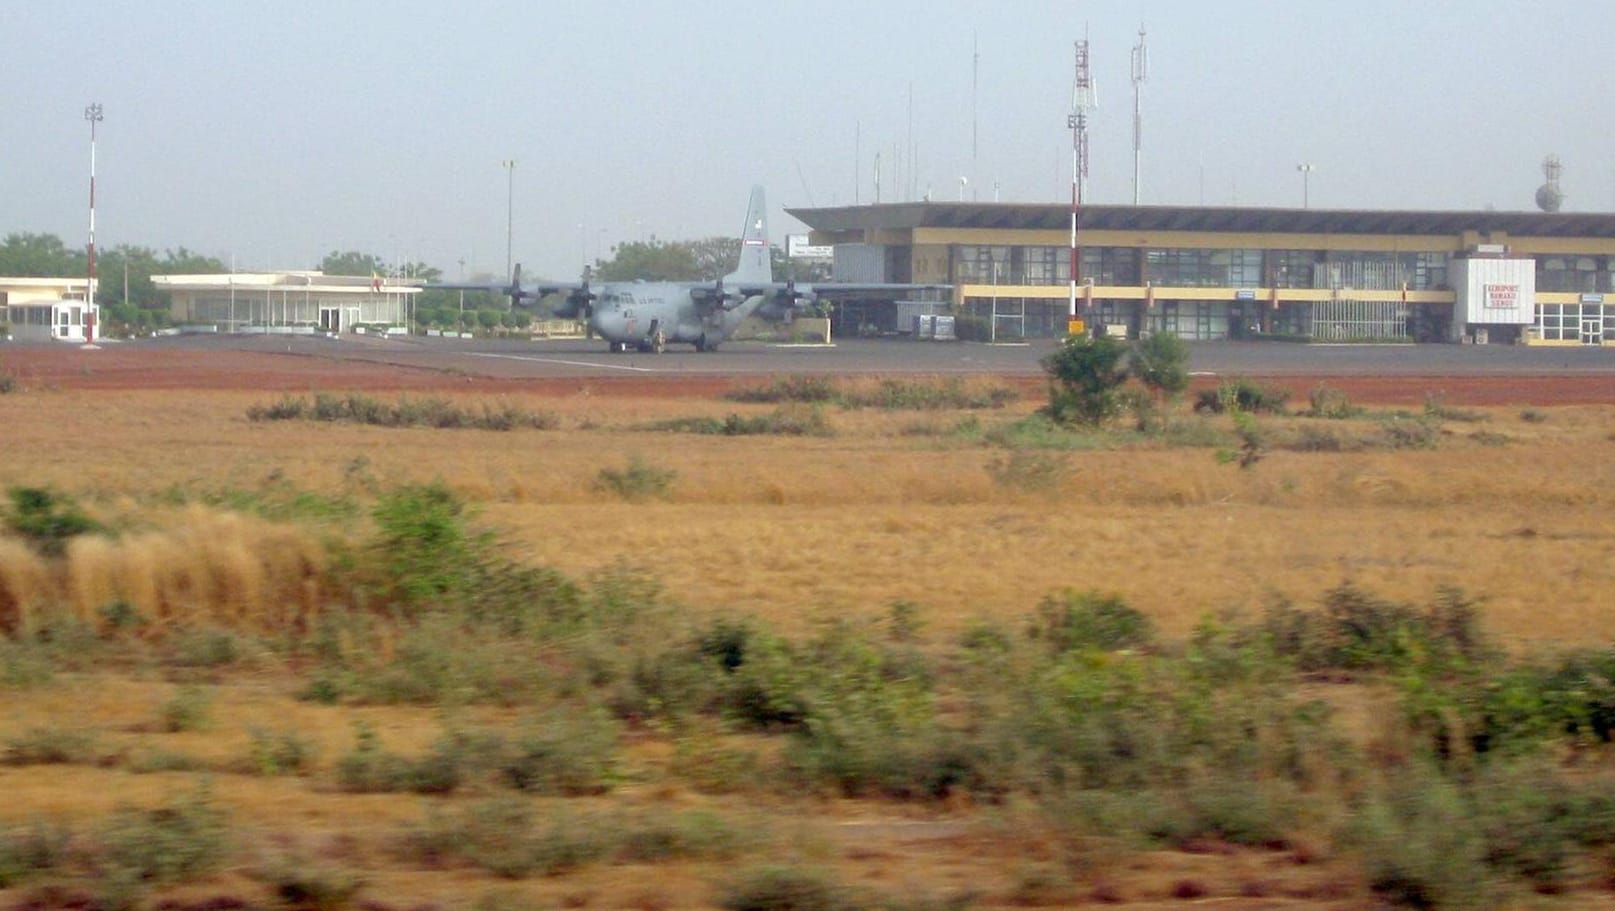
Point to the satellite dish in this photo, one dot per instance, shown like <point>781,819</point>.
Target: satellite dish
<point>1549,198</point>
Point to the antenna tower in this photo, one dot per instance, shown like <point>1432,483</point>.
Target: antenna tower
<point>1141,72</point>
<point>1082,99</point>
<point>1549,198</point>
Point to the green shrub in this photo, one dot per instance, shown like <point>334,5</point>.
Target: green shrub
<point>53,745</point>
<point>370,769</point>
<point>786,421</point>
<point>1161,362</point>
<point>1308,438</point>
<point>1436,408</point>
<point>1419,433</point>
<point>31,851</point>
<point>1242,395</point>
<point>428,412</point>
<point>1085,380</point>
<point>1073,620</point>
<point>1418,844</point>
<point>812,389</point>
<point>1328,402</point>
<point>310,884</point>
<point>783,888</point>
<point>166,844</point>
<point>189,709</point>
<point>564,753</point>
<point>1355,630</point>
<point>47,520</point>
<point>280,752</point>
<point>638,481</point>
<point>507,838</point>
<point>423,550</point>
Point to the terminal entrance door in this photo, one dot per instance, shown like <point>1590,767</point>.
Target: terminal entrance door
<point>331,319</point>
<point>1592,330</point>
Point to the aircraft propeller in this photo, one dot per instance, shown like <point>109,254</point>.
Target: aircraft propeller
<point>583,298</point>
<point>515,291</point>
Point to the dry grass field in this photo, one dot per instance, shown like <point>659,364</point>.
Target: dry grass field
<point>888,507</point>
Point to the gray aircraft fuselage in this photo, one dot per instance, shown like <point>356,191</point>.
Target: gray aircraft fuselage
<point>628,314</point>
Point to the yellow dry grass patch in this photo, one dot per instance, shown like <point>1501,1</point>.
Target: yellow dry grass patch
<point>797,528</point>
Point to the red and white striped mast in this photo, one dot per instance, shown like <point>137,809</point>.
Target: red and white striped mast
<point>1082,98</point>
<point>93,115</point>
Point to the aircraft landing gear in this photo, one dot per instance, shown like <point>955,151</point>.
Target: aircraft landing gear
<point>617,347</point>
<point>702,345</point>
<point>655,344</point>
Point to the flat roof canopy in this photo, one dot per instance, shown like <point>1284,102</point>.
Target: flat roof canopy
<point>1039,217</point>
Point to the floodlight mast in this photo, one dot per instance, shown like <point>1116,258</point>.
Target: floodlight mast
<point>94,116</point>
<point>1141,72</point>
<point>509,164</point>
<point>1082,98</point>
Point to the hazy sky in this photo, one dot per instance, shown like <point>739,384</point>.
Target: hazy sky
<point>273,132</point>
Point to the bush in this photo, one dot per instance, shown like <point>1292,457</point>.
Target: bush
<point>811,389</point>
<point>1419,433</point>
<point>423,551</point>
<point>280,753</point>
<point>1436,408</point>
<point>1241,395</point>
<point>505,837</point>
<point>166,844</point>
<point>1419,845</point>
<point>309,884</point>
<point>32,851</point>
<point>786,421</point>
<point>1072,620</point>
<point>189,709</point>
<point>1355,630</point>
<point>370,769</point>
<point>1085,379</point>
<point>567,754</point>
<point>1161,363</point>
<point>780,888</point>
<point>638,481</point>
<point>47,520</point>
<point>54,745</point>
<point>1327,402</point>
<point>428,412</point>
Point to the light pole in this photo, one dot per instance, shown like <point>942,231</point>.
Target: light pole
<point>1306,183</point>
<point>93,115</point>
<point>509,165</point>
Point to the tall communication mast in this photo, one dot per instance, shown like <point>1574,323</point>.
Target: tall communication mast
<point>1083,98</point>
<point>1141,72</point>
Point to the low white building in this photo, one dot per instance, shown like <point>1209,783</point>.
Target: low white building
<point>45,309</point>
<point>297,301</point>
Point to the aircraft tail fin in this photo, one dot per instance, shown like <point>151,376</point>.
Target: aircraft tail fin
<point>755,264</point>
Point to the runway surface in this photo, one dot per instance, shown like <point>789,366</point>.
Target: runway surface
<point>1479,374</point>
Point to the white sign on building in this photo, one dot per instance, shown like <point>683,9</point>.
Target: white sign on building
<point>1494,292</point>
<point>797,247</point>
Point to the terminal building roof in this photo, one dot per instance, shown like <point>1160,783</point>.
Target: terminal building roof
<point>1040,217</point>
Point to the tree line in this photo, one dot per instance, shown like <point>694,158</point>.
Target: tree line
<point>128,296</point>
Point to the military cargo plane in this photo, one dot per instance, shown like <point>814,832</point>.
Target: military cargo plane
<point>650,315</point>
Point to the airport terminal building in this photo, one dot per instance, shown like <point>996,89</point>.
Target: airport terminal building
<point>285,302</point>
<point>1220,273</point>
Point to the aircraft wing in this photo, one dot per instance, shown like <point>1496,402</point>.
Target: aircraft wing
<point>579,299</point>
<point>526,289</point>
<point>835,289</point>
